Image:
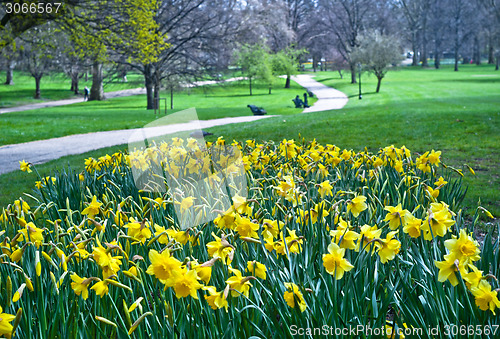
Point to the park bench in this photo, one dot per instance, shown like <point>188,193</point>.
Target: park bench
<point>257,110</point>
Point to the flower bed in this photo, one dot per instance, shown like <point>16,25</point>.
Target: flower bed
<point>327,240</point>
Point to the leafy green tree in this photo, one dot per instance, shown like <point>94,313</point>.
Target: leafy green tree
<point>377,52</point>
<point>115,30</point>
<point>286,62</point>
<point>254,62</point>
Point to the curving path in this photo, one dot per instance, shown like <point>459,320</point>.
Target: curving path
<point>108,95</point>
<point>38,152</point>
<point>328,98</point>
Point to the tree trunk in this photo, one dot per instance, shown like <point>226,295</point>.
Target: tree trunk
<point>379,81</point>
<point>97,90</point>
<point>414,47</point>
<point>496,67</point>
<point>315,63</point>
<point>491,58</point>
<point>423,57</point>
<point>353,73</point>
<point>171,97</point>
<point>74,82</point>
<point>250,78</point>
<point>437,59</point>
<point>37,86</point>
<point>76,89</point>
<point>148,82</point>
<point>340,73</point>
<point>10,71</point>
<point>156,89</point>
<point>477,51</point>
<point>287,82</point>
<point>456,60</point>
<point>270,89</point>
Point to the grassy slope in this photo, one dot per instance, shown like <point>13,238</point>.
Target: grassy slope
<point>53,87</point>
<point>421,109</point>
<point>129,112</point>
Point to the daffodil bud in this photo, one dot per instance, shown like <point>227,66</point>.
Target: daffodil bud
<point>9,291</point>
<point>106,321</point>
<point>38,265</point>
<point>19,293</point>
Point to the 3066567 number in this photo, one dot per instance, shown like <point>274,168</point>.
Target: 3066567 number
<point>33,8</point>
<point>480,330</point>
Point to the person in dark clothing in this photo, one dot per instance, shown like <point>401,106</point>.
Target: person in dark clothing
<point>86,94</point>
<point>305,101</point>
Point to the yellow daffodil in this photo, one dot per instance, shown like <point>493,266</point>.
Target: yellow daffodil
<point>335,263</point>
<point>344,237</point>
<point>368,233</point>
<point>396,216</point>
<point>440,182</point>
<point>357,205</point>
<point>164,267</point>
<point>33,234</point>
<point>187,203</point>
<point>25,167</point>
<point>186,283</point>
<point>139,231</point>
<point>388,247</point>
<point>93,208</point>
<point>473,278</point>
<point>485,297</point>
<point>5,326</point>
<point>294,297</point>
<point>465,248</point>
<point>437,222</point>
<point>80,285</point>
<point>325,189</point>
<point>238,283</point>
<point>215,299</point>
<point>257,269</point>
<point>447,269</point>
<point>246,228</point>
<point>109,264</point>
<point>100,288</point>
<point>413,227</point>
<point>434,157</point>
<point>274,227</point>
<point>219,248</point>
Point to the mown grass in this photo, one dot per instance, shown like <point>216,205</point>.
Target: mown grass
<point>54,86</point>
<point>211,102</point>
<point>455,112</point>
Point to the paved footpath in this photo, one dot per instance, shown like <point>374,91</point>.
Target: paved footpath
<point>108,95</point>
<point>328,98</point>
<point>41,151</point>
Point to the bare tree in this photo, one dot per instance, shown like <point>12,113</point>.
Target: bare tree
<point>461,11</point>
<point>377,52</point>
<point>39,53</point>
<point>346,20</point>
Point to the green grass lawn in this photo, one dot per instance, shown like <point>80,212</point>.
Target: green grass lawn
<point>54,86</point>
<point>211,102</point>
<point>455,112</point>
